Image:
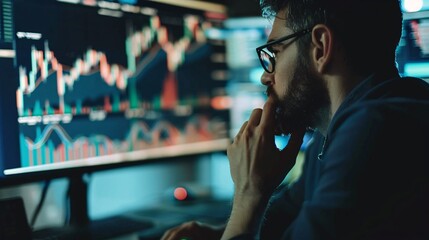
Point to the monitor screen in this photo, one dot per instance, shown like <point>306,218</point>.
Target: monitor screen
<point>413,50</point>
<point>89,83</point>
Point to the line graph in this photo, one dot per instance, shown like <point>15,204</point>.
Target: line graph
<point>43,150</point>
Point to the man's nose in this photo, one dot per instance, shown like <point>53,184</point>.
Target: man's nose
<point>267,79</point>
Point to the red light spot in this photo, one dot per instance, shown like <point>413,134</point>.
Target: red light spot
<point>221,102</point>
<point>180,193</point>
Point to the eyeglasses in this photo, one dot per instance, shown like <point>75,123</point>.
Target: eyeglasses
<point>267,57</point>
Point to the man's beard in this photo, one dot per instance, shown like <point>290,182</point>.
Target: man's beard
<point>300,108</point>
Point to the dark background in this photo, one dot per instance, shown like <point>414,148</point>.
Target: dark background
<point>240,8</point>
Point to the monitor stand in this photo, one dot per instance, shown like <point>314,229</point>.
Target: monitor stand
<point>78,194</point>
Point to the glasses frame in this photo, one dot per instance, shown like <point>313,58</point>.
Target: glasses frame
<point>271,58</point>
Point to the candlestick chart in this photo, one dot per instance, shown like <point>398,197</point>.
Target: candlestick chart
<point>92,84</point>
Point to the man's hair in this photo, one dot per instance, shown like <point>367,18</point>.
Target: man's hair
<point>369,30</point>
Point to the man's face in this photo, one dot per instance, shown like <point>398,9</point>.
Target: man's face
<point>298,91</point>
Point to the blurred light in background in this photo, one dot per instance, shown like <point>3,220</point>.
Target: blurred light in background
<point>420,69</point>
<point>255,74</point>
<point>180,193</point>
<point>415,5</point>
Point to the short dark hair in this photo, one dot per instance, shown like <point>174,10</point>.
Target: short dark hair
<point>369,29</point>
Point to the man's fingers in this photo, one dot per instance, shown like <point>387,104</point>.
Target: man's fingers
<point>267,118</point>
<point>240,132</point>
<point>186,229</point>
<point>255,117</point>
<point>252,122</point>
<point>242,128</point>
<point>168,235</point>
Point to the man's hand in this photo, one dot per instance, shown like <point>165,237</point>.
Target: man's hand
<point>257,165</point>
<point>257,168</point>
<point>194,231</point>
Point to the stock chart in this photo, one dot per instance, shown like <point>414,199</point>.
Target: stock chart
<point>97,80</point>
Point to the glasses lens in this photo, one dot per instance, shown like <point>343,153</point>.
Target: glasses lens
<point>266,60</point>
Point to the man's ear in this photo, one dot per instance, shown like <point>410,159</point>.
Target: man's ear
<point>322,52</point>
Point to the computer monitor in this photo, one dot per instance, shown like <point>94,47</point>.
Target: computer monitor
<point>413,50</point>
<point>90,85</point>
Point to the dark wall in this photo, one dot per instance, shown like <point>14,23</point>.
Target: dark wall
<point>243,8</point>
<point>240,8</point>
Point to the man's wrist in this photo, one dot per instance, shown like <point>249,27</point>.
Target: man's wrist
<point>247,212</point>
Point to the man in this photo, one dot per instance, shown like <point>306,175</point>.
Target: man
<point>330,66</point>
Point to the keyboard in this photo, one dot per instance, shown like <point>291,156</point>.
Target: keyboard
<point>95,230</point>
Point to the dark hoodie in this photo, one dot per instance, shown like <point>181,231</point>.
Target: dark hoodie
<point>369,178</point>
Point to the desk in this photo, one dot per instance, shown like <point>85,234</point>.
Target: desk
<point>144,224</point>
